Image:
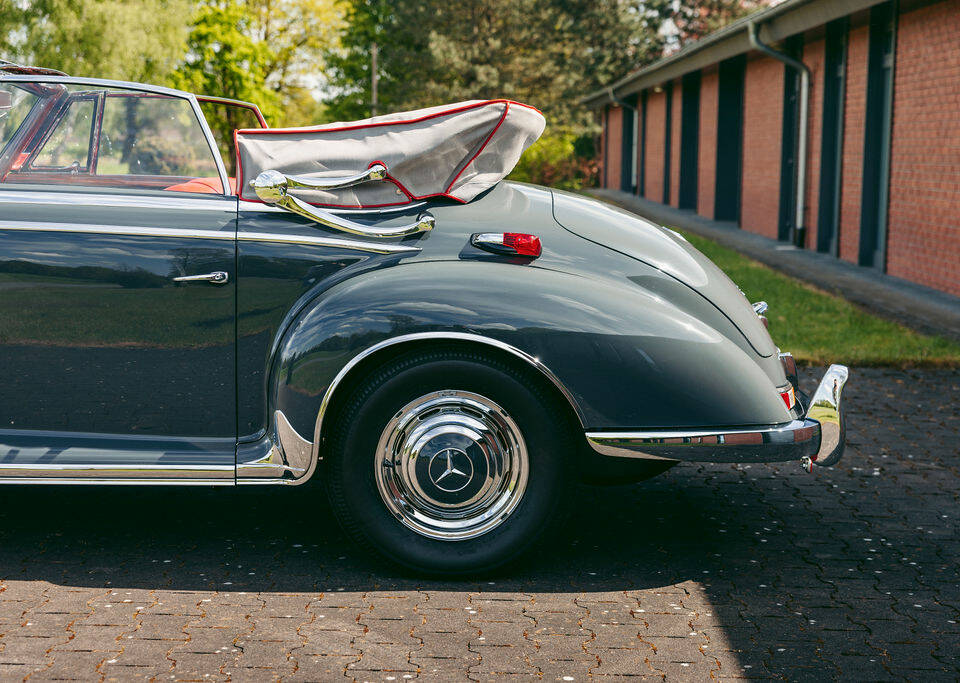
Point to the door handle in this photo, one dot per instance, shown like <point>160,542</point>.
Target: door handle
<point>217,277</point>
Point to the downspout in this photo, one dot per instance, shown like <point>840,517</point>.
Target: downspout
<point>636,112</point>
<point>803,125</point>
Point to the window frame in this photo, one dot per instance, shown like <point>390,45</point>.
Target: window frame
<point>135,87</point>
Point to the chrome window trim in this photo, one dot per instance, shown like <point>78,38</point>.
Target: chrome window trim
<point>98,82</point>
<point>533,361</point>
<point>211,145</point>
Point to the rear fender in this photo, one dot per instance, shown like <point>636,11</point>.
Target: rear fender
<point>622,356</point>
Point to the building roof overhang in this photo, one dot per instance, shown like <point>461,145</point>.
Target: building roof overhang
<point>774,25</point>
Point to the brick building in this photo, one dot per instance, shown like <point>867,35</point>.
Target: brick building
<point>716,128</point>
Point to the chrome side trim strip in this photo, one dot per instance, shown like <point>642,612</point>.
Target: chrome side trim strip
<point>423,336</point>
<point>48,471</point>
<point>773,443</point>
<point>123,482</point>
<point>214,203</point>
<point>327,242</point>
<point>137,231</point>
<point>130,230</point>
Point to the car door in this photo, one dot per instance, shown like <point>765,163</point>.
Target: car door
<point>117,287</point>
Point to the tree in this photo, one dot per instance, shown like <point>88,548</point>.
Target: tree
<point>223,58</point>
<point>140,40</point>
<point>545,52</point>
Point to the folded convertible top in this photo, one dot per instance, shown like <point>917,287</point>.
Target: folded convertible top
<point>455,150</point>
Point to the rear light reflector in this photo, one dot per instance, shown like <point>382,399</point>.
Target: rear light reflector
<point>508,243</point>
<point>789,397</point>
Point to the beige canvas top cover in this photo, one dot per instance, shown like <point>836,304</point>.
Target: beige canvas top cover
<point>455,150</point>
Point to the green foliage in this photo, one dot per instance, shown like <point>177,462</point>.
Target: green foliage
<point>224,59</point>
<point>544,52</point>
<point>820,328</point>
<point>140,40</point>
<point>560,158</point>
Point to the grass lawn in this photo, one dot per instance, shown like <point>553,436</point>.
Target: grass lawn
<point>820,328</point>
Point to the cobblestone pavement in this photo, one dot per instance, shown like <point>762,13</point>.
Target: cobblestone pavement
<point>713,571</point>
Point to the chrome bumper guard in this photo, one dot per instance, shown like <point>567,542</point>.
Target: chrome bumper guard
<point>816,438</point>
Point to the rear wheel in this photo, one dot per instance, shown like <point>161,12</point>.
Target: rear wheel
<point>449,462</point>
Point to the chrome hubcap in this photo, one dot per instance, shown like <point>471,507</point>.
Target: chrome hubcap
<point>451,465</point>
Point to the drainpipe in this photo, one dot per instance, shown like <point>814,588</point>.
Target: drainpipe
<point>803,125</point>
<point>616,100</point>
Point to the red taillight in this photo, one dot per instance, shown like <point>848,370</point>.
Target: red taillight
<point>523,244</point>
<point>789,398</point>
<point>508,243</point>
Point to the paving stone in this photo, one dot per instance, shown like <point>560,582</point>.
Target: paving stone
<point>849,573</point>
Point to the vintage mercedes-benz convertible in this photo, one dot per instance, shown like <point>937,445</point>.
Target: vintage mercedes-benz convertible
<point>366,305</point>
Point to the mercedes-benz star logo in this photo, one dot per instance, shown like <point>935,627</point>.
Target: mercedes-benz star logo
<point>451,470</point>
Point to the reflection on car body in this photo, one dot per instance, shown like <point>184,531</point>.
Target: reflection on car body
<point>177,311</point>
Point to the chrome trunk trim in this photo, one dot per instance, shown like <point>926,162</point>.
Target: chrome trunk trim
<point>818,436</point>
<point>788,441</point>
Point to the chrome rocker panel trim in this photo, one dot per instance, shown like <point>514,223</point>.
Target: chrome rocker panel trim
<point>820,436</point>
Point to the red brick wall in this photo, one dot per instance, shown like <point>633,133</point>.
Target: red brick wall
<point>762,128</point>
<point>656,125</point>
<point>707,148</point>
<point>854,112</point>
<point>923,242</point>
<point>675,119</point>
<point>614,146</point>
<point>813,56</point>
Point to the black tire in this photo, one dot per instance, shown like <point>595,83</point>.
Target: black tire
<point>352,459</point>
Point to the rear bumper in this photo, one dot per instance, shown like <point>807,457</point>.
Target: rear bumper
<point>818,436</point>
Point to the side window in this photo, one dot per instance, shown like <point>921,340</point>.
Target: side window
<point>153,136</point>
<point>68,145</point>
<point>109,137</point>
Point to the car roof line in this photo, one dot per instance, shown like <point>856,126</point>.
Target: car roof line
<point>101,82</point>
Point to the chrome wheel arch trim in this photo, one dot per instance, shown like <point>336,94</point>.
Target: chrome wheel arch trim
<point>527,358</point>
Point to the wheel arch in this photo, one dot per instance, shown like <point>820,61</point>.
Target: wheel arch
<point>388,349</point>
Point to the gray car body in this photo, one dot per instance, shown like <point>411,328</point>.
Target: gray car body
<point>631,326</point>
<point>631,342</point>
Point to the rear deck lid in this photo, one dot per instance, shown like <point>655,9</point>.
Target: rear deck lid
<point>665,250</point>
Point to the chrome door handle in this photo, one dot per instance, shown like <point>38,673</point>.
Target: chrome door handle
<point>217,277</point>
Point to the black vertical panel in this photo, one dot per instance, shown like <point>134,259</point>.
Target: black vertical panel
<point>876,139</point>
<point>689,140</point>
<point>831,141</point>
<point>789,151</point>
<point>642,161</point>
<point>668,128</point>
<point>626,147</point>
<point>729,138</point>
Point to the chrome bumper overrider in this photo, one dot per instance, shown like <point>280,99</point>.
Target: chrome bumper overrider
<point>818,436</point>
